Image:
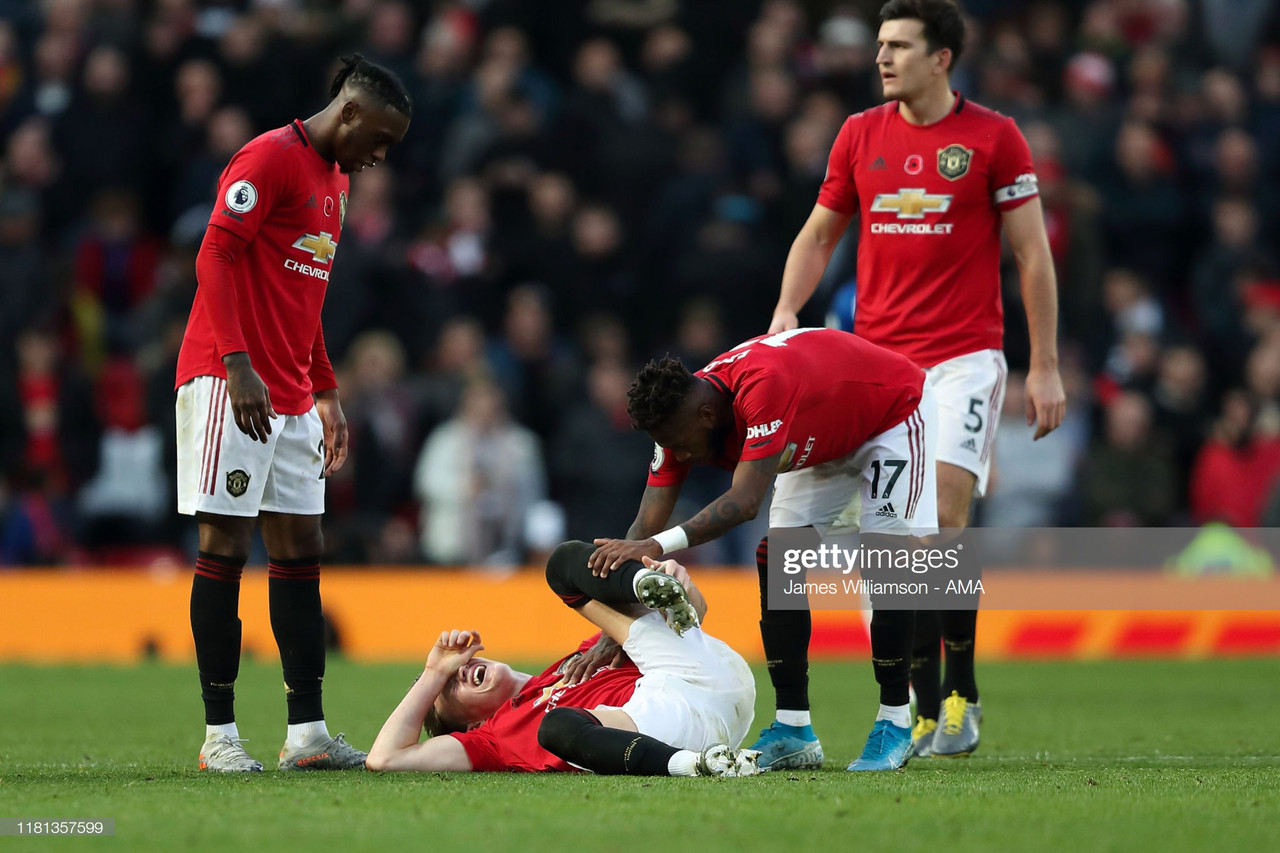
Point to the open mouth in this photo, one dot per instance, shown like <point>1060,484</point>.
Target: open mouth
<point>474,674</point>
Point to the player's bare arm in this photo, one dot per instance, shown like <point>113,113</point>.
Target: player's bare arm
<point>740,503</point>
<point>335,430</point>
<point>806,262</point>
<point>1046,400</point>
<point>397,746</point>
<point>656,505</point>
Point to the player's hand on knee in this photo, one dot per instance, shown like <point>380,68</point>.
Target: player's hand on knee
<point>453,650</point>
<point>610,554</point>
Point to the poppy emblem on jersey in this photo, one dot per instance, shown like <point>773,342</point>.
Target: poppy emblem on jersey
<point>911,203</point>
<point>237,482</point>
<point>242,196</point>
<point>659,456</point>
<point>342,207</point>
<point>321,247</point>
<point>953,161</point>
<point>328,205</point>
<point>913,165</point>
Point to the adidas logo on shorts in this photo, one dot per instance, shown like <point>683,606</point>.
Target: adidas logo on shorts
<point>969,444</point>
<point>887,511</point>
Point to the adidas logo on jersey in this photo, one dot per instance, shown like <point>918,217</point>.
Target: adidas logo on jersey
<point>311,202</point>
<point>878,165</point>
<point>887,511</point>
<point>969,444</point>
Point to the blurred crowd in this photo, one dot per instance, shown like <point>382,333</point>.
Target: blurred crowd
<point>587,184</point>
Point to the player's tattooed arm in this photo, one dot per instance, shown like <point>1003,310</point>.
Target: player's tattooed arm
<point>751,481</point>
<point>741,503</point>
<point>656,506</point>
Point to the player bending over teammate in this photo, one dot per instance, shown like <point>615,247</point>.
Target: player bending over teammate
<point>678,706</point>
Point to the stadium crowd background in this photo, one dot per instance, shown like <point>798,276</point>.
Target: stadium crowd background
<point>588,183</point>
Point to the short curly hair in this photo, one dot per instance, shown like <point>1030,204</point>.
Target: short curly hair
<point>657,393</point>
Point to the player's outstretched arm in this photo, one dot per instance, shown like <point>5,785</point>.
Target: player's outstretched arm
<point>751,482</point>
<point>397,746</point>
<point>806,262</point>
<point>1046,399</point>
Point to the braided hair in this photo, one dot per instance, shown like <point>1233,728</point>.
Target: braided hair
<point>657,393</point>
<point>370,77</point>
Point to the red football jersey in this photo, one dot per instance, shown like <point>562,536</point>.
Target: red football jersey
<point>509,739</point>
<point>813,394</point>
<point>930,200</point>
<point>288,203</point>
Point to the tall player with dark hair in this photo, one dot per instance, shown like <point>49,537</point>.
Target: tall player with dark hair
<point>933,178</point>
<point>818,415</point>
<point>259,422</point>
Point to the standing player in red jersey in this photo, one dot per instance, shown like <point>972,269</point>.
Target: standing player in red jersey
<point>818,414</point>
<point>253,354</point>
<point>933,178</point>
<point>674,704</point>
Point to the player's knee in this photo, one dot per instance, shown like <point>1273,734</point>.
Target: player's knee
<point>566,561</point>
<point>562,727</point>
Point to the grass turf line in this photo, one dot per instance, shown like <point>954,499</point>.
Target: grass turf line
<point>1101,756</point>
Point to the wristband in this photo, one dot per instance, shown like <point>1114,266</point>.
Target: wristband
<point>672,539</point>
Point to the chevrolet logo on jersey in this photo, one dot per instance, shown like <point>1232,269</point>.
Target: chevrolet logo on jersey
<point>910,203</point>
<point>321,247</point>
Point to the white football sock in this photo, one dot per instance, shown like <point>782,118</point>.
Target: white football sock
<point>794,718</point>
<point>224,729</point>
<point>306,734</point>
<point>683,763</point>
<point>899,715</point>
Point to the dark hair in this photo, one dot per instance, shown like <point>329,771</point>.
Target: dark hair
<point>943,23</point>
<point>380,82</point>
<point>434,724</point>
<point>657,393</point>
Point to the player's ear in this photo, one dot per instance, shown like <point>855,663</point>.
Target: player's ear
<point>350,111</point>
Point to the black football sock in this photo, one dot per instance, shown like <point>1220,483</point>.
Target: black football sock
<point>892,635</point>
<point>576,736</point>
<point>298,624</point>
<point>571,579</point>
<point>958,630</point>
<point>926,664</point>
<point>785,635</point>
<point>215,627</point>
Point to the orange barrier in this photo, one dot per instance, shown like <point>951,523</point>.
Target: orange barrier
<point>120,616</point>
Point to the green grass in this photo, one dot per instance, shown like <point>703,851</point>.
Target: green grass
<point>1105,756</point>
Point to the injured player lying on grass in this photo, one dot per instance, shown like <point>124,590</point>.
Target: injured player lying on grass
<point>672,701</point>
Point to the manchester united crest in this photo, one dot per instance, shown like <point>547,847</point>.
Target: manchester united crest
<point>953,161</point>
<point>237,482</point>
<point>342,208</point>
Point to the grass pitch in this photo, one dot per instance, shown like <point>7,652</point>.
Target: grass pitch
<point>1100,756</point>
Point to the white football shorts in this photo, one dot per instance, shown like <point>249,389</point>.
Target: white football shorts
<point>694,691</point>
<point>223,471</point>
<point>894,476</point>
<point>970,390</point>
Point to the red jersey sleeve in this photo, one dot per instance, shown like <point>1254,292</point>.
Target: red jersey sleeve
<point>839,193</point>
<point>1012,176</point>
<point>321,373</point>
<point>248,189</point>
<point>481,746</point>
<point>665,469</point>
<point>767,406</point>
<point>215,274</point>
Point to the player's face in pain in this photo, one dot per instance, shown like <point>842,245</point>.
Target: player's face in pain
<point>478,689</point>
<point>367,131</point>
